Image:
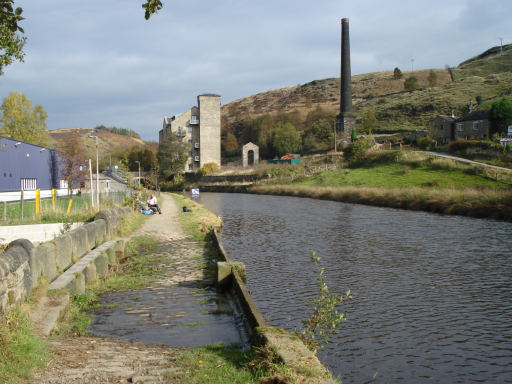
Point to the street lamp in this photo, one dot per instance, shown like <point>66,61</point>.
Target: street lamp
<point>97,172</point>
<point>138,162</point>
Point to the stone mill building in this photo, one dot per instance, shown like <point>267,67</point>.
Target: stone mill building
<point>200,128</point>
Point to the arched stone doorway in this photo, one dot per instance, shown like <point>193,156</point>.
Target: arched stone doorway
<point>250,151</point>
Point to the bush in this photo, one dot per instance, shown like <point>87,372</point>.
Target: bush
<point>357,150</point>
<point>464,145</point>
<point>426,143</point>
<point>208,169</point>
<point>411,83</point>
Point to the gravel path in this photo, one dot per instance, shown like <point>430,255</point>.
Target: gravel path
<point>113,360</point>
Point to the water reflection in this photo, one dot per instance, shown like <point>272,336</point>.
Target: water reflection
<point>432,294</point>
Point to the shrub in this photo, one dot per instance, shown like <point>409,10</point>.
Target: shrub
<point>426,143</point>
<point>208,169</point>
<point>411,83</point>
<point>357,150</point>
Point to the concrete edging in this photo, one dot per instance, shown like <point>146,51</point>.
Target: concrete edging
<point>289,348</point>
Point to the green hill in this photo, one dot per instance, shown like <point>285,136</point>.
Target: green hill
<point>488,75</point>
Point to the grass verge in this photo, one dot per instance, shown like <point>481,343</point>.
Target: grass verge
<point>197,223</point>
<point>494,204</point>
<point>21,350</point>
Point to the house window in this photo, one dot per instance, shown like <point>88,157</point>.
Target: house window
<point>459,127</point>
<point>476,125</point>
<point>28,184</point>
<point>190,167</point>
<point>191,153</point>
<point>189,129</point>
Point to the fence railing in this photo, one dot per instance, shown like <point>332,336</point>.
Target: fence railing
<point>63,207</point>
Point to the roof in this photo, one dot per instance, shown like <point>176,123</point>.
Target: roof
<point>23,142</point>
<point>444,117</point>
<point>209,94</point>
<point>477,115</point>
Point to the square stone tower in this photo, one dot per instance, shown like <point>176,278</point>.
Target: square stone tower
<point>209,128</point>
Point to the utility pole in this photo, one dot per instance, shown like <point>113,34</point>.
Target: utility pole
<point>97,172</point>
<point>412,65</point>
<point>138,162</point>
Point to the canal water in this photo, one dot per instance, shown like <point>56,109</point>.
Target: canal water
<point>432,294</point>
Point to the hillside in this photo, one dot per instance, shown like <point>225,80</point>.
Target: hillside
<point>108,142</point>
<point>488,75</point>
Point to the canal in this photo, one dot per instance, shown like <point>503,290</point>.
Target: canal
<point>432,294</point>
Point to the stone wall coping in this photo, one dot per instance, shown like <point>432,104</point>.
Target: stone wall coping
<point>68,276</point>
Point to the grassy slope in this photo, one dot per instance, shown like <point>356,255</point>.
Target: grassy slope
<point>488,75</point>
<point>107,142</point>
<point>401,176</point>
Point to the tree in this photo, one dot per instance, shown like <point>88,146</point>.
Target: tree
<point>397,74</point>
<point>172,156</point>
<point>369,121</point>
<point>72,158</point>
<point>432,78</point>
<point>411,83</point>
<point>22,122</point>
<point>500,116</point>
<point>230,144</point>
<point>285,139</point>
<point>11,43</point>
<point>151,7</point>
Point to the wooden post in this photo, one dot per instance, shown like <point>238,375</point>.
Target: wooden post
<point>69,206</point>
<point>5,210</point>
<point>21,204</point>
<point>38,201</point>
<point>54,195</point>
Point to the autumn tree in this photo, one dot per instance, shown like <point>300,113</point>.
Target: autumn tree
<point>72,159</point>
<point>230,143</point>
<point>146,157</point>
<point>23,122</point>
<point>172,156</point>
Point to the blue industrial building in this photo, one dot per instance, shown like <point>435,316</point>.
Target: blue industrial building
<point>28,167</point>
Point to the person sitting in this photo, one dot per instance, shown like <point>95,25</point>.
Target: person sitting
<point>153,203</point>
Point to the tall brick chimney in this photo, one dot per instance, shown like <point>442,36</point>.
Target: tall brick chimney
<point>346,120</point>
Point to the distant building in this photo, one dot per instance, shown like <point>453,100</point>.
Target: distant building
<point>474,125</point>
<point>200,128</point>
<point>441,129</point>
<point>28,167</point>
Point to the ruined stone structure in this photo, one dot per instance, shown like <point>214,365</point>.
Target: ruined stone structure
<point>200,128</point>
<point>346,120</point>
<point>245,154</point>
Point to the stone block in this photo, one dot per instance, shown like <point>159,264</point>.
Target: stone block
<point>15,276</point>
<point>64,250</point>
<point>101,263</point>
<point>90,273</point>
<point>80,243</point>
<point>111,254</point>
<point>43,262</point>
<point>77,285</point>
<point>223,273</point>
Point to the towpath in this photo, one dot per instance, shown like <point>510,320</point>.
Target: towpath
<point>162,312</point>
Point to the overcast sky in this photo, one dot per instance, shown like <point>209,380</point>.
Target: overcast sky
<point>92,62</point>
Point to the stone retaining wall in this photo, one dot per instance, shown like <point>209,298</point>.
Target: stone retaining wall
<point>22,264</point>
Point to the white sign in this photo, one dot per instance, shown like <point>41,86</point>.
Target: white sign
<point>194,191</point>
